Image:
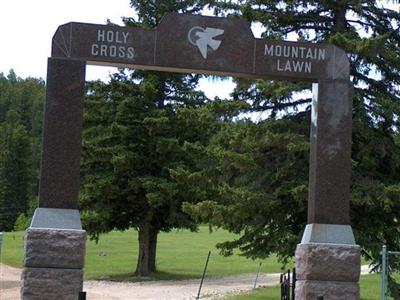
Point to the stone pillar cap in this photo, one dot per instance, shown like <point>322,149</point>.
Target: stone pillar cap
<point>329,234</point>
<point>56,218</point>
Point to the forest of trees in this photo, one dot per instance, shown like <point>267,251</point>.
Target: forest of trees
<point>21,113</point>
<point>369,33</point>
<point>157,154</point>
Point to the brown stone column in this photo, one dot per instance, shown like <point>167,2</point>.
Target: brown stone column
<point>328,260</point>
<point>62,128</point>
<point>330,153</point>
<point>55,242</point>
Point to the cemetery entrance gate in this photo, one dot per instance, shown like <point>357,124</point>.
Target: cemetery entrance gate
<point>327,259</point>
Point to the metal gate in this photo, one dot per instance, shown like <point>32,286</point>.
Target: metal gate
<point>385,270</point>
<point>288,285</point>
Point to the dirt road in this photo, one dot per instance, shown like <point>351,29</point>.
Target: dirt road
<point>9,282</point>
<point>213,287</point>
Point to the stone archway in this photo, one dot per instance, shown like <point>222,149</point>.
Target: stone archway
<point>327,259</point>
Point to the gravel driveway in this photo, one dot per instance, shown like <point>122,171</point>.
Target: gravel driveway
<point>213,287</point>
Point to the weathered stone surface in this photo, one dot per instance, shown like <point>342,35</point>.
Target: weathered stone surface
<point>103,43</point>
<point>62,130</point>
<point>56,218</point>
<point>328,233</point>
<point>330,153</point>
<point>221,46</point>
<point>328,262</point>
<point>310,290</point>
<point>281,58</point>
<point>51,284</point>
<point>232,39</point>
<point>55,248</point>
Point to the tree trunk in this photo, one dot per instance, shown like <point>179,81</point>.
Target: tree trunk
<point>147,250</point>
<point>340,18</point>
<point>152,250</point>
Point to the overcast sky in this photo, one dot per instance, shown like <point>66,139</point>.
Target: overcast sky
<point>27,27</point>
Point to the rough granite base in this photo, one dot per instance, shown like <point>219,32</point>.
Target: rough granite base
<point>54,256</point>
<point>328,270</point>
<point>51,284</point>
<point>330,290</point>
<point>328,262</point>
<point>54,248</point>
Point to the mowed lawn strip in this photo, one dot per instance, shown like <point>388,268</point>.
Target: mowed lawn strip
<point>369,289</point>
<point>181,254</point>
<point>11,251</point>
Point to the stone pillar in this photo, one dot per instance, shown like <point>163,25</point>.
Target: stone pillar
<point>55,241</point>
<point>328,259</point>
<point>54,256</point>
<point>62,134</point>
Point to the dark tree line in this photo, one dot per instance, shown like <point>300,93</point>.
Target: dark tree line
<point>21,110</point>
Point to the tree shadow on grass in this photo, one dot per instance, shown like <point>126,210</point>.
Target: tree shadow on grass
<point>159,275</point>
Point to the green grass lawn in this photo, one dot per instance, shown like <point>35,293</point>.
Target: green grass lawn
<point>180,254</point>
<point>270,293</point>
<point>369,288</point>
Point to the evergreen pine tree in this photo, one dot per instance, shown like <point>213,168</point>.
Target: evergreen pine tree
<point>21,105</point>
<point>369,33</point>
<point>144,132</point>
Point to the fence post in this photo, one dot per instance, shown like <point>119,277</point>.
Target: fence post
<point>384,273</point>
<point>293,283</point>
<point>288,286</point>
<point>204,274</point>
<point>258,273</point>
